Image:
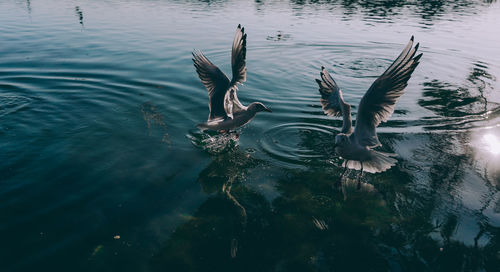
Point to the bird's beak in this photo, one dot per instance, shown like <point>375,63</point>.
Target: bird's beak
<point>268,110</point>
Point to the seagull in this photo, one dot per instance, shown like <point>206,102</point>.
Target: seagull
<point>377,105</point>
<point>225,109</point>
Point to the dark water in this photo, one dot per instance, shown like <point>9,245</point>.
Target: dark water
<point>101,168</point>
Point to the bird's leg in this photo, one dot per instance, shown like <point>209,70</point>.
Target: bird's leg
<point>235,133</point>
<point>232,133</point>
<point>339,182</point>
<point>360,175</point>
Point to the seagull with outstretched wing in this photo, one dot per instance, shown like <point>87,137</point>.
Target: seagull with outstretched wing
<point>376,106</point>
<point>225,109</point>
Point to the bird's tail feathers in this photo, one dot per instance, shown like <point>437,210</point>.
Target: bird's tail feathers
<point>380,162</point>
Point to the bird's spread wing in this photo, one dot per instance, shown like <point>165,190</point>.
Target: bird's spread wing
<point>238,56</point>
<point>238,63</point>
<point>377,105</point>
<point>216,83</point>
<point>332,101</point>
<point>331,95</point>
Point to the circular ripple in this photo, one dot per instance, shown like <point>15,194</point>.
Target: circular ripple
<point>11,104</point>
<point>299,143</point>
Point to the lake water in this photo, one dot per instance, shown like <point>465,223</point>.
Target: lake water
<point>102,168</point>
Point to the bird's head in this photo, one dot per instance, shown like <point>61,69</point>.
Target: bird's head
<point>258,107</point>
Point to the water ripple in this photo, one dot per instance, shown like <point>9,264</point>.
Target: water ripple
<point>13,103</point>
<point>299,143</point>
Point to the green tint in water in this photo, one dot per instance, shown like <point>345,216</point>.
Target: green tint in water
<point>101,168</point>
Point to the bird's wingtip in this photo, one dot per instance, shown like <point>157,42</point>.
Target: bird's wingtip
<point>417,58</point>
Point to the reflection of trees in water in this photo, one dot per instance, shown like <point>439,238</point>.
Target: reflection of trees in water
<point>428,10</point>
<point>28,6</point>
<point>460,107</point>
<point>432,212</point>
<point>209,3</point>
<point>449,100</point>
<point>79,14</point>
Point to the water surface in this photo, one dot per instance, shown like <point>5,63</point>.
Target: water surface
<point>102,168</point>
